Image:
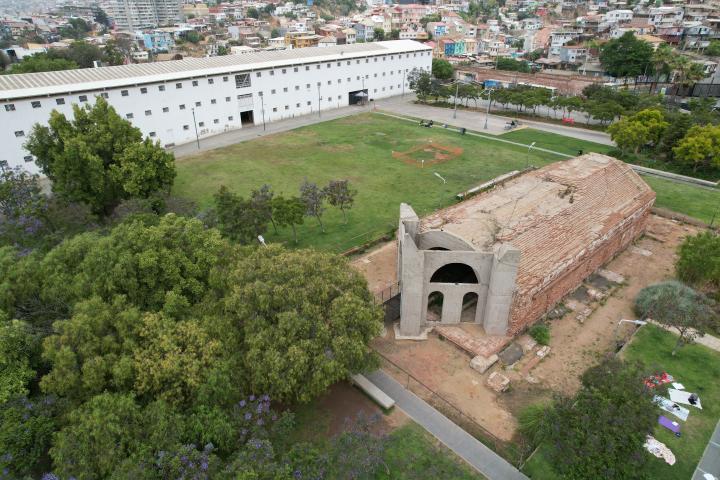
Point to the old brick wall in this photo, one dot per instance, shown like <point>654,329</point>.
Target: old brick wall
<point>566,84</point>
<point>528,307</point>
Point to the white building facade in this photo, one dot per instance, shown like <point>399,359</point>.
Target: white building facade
<point>139,14</point>
<point>180,101</point>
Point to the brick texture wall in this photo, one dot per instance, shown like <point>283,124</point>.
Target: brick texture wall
<point>528,307</point>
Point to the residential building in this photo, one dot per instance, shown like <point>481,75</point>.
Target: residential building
<point>168,101</point>
<point>140,14</point>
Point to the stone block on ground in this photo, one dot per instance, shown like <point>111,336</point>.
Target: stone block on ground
<point>640,251</point>
<point>527,343</point>
<point>574,305</point>
<point>511,354</point>
<point>596,294</point>
<point>611,276</point>
<point>543,351</point>
<point>498,382</point>
<point>481,364</point>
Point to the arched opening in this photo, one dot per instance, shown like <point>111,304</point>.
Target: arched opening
<point>439,248</point>
<point>469,307</point>
<point>454,273</point>
<point>434,307</point>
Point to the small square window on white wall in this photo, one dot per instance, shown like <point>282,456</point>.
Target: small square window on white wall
<point>182,107</point>
<point>143,90</point>
<point>129,116</point>
<point>213,101</point>
<point>308,102</point>
<point>34,104</point>
<point>60,101</point>
<point>230,118</point>
<point>9,107</point>
<point>217,120</point>
<point>198,104</point>
<point>161,88</point>
<point>274,109</point>
<point>124,93</point>
<point>148,113</point>
<point>297,105</point>
<point>258,74</point>
<point>178,85</point>
<point>152,134</point>
<point>104,95</point>
<point>287,107</point>
<point>295,69</point>
<point>28,158</point>
<point>201,124</point>
<point>82,98</point>
<point>194,83</point>
<point>166,109</point>
<point>186,127</point>
<point>19,133</point>
<point>227,99</point>
<point>210,81</point>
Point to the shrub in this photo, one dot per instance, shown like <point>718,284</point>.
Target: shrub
<point>698,262</point>
<point>541,333</point>
<point>531,422</point>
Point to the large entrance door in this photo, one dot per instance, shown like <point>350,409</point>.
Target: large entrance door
<point>247,118</point>
<point>358,97</point>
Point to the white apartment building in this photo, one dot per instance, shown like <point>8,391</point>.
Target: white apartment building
<point>139,14</point>
<point>179,101</point>
<point>619,16</point>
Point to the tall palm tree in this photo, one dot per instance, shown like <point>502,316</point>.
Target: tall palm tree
<point>687,72</point>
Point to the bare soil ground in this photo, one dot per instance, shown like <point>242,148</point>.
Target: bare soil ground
<point>379,266</point>
<point>575,345</point>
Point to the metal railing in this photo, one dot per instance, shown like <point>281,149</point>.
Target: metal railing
<point>515,454</point>
<point>388,293</point>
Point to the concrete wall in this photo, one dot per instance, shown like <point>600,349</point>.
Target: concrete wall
<point>495,272</point>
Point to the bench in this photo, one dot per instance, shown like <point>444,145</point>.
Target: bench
<point>380,397</point>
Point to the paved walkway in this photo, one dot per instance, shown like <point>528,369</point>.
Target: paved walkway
<point>713,343</point>
<point>710,461</point>
<point>487,462</point>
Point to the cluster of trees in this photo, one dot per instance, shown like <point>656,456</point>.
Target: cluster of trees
<point>243,220</point>
<point>685,142</point>
<point>132,350</point>
<point>600,431</point>
<point>79,54</point>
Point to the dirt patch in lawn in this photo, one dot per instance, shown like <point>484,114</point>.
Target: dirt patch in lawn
<point>379,267</point>
<point>428,154</point>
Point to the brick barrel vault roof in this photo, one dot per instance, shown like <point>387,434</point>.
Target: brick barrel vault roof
<point>555,215</point>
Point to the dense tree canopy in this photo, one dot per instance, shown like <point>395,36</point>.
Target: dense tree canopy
<point>700,147</point>
<point>600,431</point>
<point>626,56</point>
<point>99,158</point>
<point>139,348</point>
<point>635,131</point>
<point>442,69</point>
<point>699,261</point>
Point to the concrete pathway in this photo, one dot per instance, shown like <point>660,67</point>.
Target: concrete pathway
<point>711,342</point>
<point>487,462</point>
<point>710,461</point>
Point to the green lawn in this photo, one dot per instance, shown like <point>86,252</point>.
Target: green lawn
<point>698,369</point>
<point>359,148</point>
<point>555,142</point>
<point>700,203</point>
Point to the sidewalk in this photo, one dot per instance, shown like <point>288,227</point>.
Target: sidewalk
<point>467,447</point>
<point>710,461</point>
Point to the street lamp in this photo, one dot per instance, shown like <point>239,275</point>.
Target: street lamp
<point>487,110</point>
<point>319,106</point>
<point>197,136</point>
<point>527,159</point>
<point>262,103</point>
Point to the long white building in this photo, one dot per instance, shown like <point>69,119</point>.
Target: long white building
<point>176,102</point>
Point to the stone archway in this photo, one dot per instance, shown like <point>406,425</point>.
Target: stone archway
<point>469,307</point>
<point>434,307</point>
<point>454,273</point>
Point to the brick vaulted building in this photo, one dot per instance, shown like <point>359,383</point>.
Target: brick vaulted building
<point>513,252</point>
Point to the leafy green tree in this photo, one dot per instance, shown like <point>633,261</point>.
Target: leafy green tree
<point>700,147</point>
<point>378,34</point>
<point>76,28</point>
<point>635,131</point>
<point>512,65</point>
<point>626,56</point>
<point>307,320</point>
<point>420,82</point>
<point>339,194</point>
<point>23,207</point>
<point>26,429</point>
<point>239,219</point>
<point>116,52</point>
<point>600,431</point>
<point>604,111</point>
<point>288,212</point>
<point>18,353</point>
<point>713,49</point>
<point>42,62</point>
<point>678,125</point>
<point>99,158</point>
<point>252,12</point>
<point>314,199</point>
<point>676,305</point>
<point>442,69</point>
<point>434,17</point>
<point>100,16</point>
<point>394,34</point>
<point>193,37</point>
<point>84,54</point>
<point>698,261</point>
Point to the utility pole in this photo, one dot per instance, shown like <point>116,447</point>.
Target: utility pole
<point>197,137</point>
<point>403,84</point>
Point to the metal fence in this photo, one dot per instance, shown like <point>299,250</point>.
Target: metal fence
<point>515,454</point>
<point>386,294</point>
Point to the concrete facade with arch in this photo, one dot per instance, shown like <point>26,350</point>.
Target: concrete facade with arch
<point>438,262</point>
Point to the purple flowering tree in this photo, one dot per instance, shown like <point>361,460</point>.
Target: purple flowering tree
<point>22,206</point>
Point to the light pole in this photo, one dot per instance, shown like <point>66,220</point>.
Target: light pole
<point>457,86</point>
<point>319,106</point>
<point>197,137</point>
<point>639,323</point>
<point>487,110</point>
<point>262,103</point>
<point>527,159</point>
<point>403,85</point>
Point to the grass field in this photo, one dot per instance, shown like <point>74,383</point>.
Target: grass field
<point>555,142</point>
<point>698,369</point>
<point>360,148</point>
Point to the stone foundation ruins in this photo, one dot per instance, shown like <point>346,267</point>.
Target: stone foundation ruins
<point>514,251</point>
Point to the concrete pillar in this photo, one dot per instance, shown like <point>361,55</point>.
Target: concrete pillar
<point>452,305</point>
<point>412,317</point>
<point>501,289</point>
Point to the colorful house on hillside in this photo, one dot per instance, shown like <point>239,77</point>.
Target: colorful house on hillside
<point>452,47</point>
